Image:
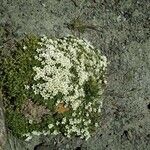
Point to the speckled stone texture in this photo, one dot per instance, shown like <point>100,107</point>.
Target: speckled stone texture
<point>2,125</point>
<point>121,30</point>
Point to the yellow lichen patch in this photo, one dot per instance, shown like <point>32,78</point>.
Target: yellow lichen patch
<point>60,108</point>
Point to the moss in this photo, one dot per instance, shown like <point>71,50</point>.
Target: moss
<point>17,72</point>
<point>81,26</point>
<point>91,88</point>
<point>16,121</point>
<point>77,25</point>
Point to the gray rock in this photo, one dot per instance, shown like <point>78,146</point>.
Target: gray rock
<point>2,125</point>
<point>121,30</point>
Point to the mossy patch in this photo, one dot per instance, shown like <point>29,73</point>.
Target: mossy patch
<point>16,73</point>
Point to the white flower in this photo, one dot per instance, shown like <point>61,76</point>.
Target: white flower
<point>36,133</point>
<point>64,120</point>
<point>99,110</point>
<point>71,121</point>
<point>50,126</point>
<point>26,134</point>
<point>105,81</point>
<point>26,87</point>
<point>24,47</point>
<point>90,109</point>
<point>68,136</point>
<point>96,124</point>
<point>74,114</point>
<point>30,121</point>
<point>44,38</point>
<point>55,132</point>
<point>87,136</point>
<point>28,138</point>
<point>85,123</point>
<point>87,114</point>
<point>78,132</point>
<point>46,132</point>
<point>57,123</point>
<point>94,109</point>
<point>76,104</point>
<point>89,121</point>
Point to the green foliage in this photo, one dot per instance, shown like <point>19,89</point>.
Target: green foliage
<point>91,88</point>
<point>17,72</point>
<point>16,121</point>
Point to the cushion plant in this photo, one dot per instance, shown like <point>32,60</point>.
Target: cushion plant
<point>53,86</point>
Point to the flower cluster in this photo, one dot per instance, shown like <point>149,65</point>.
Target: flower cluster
<point>73,68</point>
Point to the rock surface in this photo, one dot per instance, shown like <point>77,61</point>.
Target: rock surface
<point>2,125</point>
<point>121,30</point>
